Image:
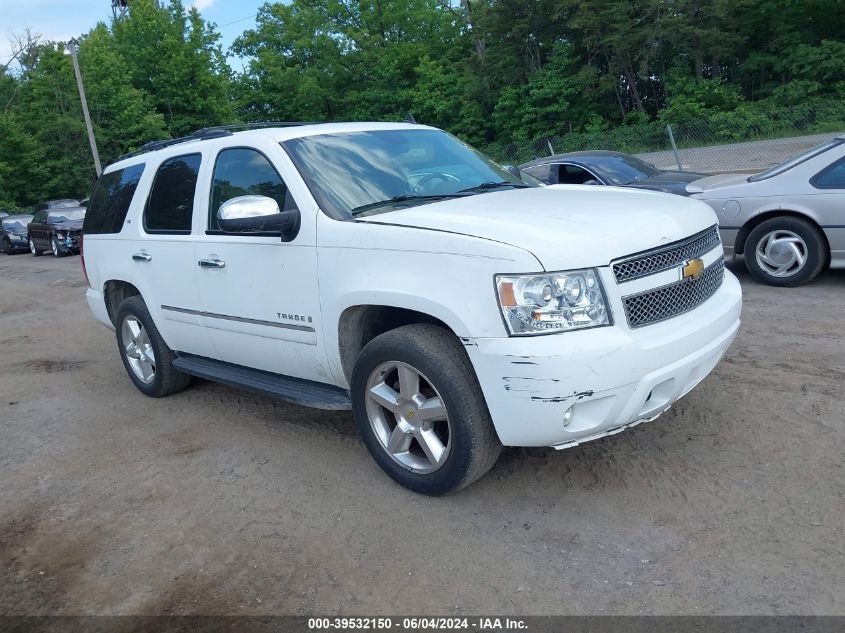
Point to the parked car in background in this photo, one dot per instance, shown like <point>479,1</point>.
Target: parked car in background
<point>607,168</point>
<point>13,235</point>
<point>789,221</point>
<point>58,229</point>
<point>3,214</point>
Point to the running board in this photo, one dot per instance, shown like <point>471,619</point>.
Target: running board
<point>296,390</point>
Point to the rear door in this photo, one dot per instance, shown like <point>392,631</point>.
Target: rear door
<point>163,253</point>
<point>260,298</point>
<point>37,229</point>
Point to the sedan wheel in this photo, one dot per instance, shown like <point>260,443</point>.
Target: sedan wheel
<point>781,253</point>
<point>785,251</point>
<point>408,417</point>
<point>138,349</point>
<point>34,249</point>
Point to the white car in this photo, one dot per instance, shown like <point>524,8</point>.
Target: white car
<point>393,270</point>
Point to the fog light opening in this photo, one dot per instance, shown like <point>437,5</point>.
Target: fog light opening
<point>567,417</point>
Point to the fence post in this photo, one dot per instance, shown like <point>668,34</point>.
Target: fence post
<point>551,149</point>
<point>674,147</point>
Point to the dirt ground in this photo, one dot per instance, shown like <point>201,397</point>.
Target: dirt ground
<point>217,501</point>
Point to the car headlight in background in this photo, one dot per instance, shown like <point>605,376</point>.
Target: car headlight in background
<point>552,302</point>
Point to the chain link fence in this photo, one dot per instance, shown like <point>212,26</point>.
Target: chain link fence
<point>742,140</point>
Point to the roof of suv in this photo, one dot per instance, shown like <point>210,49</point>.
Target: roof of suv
<point>175,147</point>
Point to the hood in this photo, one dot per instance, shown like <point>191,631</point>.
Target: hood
<point>714,182</point>
<point>70,225</point>
<point>668,182</point>
<point>564,226</point>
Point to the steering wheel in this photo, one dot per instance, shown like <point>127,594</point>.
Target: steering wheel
<point>425,183</point>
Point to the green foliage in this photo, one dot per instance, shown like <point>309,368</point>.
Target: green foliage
<point>507,75</point>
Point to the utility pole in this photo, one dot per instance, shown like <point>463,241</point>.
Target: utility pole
<point>73,49</point>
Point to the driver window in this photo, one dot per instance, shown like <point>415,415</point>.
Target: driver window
<point>573,175</point>
<point>245,172</point>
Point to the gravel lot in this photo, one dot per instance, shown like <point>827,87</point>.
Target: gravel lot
<point>217,501</point>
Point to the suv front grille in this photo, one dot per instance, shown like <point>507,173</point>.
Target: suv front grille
<point>666,257</point>
<point>673,299</point>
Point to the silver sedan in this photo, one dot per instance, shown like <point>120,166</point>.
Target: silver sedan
<point>789,221</point>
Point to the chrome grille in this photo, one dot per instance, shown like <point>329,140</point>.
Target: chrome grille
<point>668,301</point>
<point>666,257</point>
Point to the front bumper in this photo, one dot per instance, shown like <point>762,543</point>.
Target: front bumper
<point>611,377</point>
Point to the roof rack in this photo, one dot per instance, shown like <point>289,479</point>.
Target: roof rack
<point>206,133</point>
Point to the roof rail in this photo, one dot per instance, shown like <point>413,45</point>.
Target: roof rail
<point>206,133</point>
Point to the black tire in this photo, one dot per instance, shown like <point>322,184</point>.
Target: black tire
<point>58,251</point>
<point>816,251</point>
<point>436,353</point>
<point>7,246</point>
<point>166,379</point>
<point>36,252</point>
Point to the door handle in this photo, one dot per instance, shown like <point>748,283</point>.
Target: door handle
<point>211,263</point>
<point>142,257</point>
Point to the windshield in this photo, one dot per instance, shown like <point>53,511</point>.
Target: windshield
<point>16,223</point>
<point>57,217</point>
<point>621,169</point>
<point>795,160</point>
<point>377,171</point>
<point>63,204</point>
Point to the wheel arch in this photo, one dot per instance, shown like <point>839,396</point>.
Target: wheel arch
<point>359,324</point>
<point>759,218</point>
<point>114,292</point>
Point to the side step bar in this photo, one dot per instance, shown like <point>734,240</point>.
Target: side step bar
<point>296,390</point>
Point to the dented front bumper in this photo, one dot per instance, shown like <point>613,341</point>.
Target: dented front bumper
<point>607,378</point>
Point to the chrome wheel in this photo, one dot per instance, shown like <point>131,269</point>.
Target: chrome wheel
<point>408,417</point>
<point>781,253</point>
<point>138,349</point>
<point>54,245</point>
<point>32,247</point>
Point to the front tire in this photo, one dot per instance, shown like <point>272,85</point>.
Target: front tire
<point>7,246</point>
<point>420,410</point>
<point>36,252</point>
<point>57,248</point>
<point>785,251</point>
<point>147,358</point>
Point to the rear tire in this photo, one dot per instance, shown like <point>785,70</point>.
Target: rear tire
<point>785,251</point>
<point>36,252</point>
<point>141,346</point>
<point>435,436</point>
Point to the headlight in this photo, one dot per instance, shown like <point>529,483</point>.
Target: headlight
<point>552,302</point>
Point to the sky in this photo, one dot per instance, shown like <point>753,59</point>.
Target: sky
<point>63,19</point>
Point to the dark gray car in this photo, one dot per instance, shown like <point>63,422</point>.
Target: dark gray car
<point>607,168</point>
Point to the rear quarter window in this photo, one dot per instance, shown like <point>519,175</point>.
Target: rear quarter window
<point>110,201</point>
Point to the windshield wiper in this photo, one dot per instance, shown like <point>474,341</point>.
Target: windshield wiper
<point>403,198</point>
<point>484,186</point>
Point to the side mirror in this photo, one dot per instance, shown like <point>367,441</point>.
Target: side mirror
<point>513,169</point>
<point>256,214</point>
<point>592,181</point>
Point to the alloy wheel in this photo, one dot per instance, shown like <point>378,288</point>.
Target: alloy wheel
<point>408,416</point>
<point>138,349</point>
<point>781,253</point>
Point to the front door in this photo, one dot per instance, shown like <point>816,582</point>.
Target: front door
<point>259,293</point>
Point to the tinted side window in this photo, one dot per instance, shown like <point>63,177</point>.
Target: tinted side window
<point>245,172</point>
<point>831,177</point>
<point>111,199</point>
<point>540,172</point>
<point>171,201</point>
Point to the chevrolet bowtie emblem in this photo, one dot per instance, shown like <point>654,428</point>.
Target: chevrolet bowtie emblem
<point>692,269</point>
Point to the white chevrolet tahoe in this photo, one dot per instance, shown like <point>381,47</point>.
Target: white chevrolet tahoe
<point>393,270</point>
